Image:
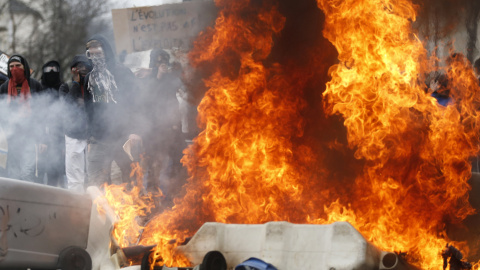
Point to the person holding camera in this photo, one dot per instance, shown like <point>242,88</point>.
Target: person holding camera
<point>75,123</point>
<point>161,126</point>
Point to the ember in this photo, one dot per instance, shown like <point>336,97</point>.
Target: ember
<point>254,162</point>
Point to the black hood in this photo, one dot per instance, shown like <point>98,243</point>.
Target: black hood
<point>107,50</point>
<point>51,63</point>
<point>80,58</point>
<point>44,79</point>
<point>155,53</point>
<point>24,63</point>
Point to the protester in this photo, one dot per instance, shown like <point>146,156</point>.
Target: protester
<point>51,163</point>
<point>75,124</point>
<point>161,128</point>
<point>19,119</point>
<point>110,116</point>
<point>439,88</point>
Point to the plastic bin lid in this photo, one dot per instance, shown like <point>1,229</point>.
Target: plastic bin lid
<point>255,264</point>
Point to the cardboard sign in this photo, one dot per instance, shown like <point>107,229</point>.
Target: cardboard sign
<point>165,27</point>
<point>4,63</point>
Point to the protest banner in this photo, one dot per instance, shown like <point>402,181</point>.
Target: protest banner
<point>166,26</point>
<point>3,63</point>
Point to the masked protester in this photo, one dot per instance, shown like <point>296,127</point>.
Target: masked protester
<point>161,126</point>
<point>51,163</point>
<point>75,123</point>
<point>110,87</point>
<point>20,119</point>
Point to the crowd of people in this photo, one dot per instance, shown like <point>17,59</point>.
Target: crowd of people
<point>68,134</point>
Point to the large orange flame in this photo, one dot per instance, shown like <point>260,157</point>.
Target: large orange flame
<point>253,163</point>
<point>243,164</point>
<point>131,205</point>
<point>417,152</point>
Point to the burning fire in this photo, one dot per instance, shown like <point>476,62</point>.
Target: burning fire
<point>131,205</point>
<point>253,163</point>
<point>416,152</point>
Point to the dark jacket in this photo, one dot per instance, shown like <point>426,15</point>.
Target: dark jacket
<point>53,107</point>
<point>30,123</point>
<point>160,125</point>
<point>112,121</point>
<point>35,86</point>
<point>75,117</point>
<point>157,100</point>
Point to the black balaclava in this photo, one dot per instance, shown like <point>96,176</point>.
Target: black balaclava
<point>51,78</point>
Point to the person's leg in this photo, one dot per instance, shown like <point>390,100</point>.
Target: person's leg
<point>56,163</point>
<point>75,163</point>
<point>13,159</point>
<point>99,161</point>
<point>21,159</point>
<point>41,167</point>
<point>29,160</point>
<point>123,162</point>
<point>51,166</point>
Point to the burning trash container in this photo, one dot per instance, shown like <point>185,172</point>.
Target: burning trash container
<point>43,227</point>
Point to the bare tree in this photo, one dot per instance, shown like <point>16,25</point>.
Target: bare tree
<point>64,33</point>
<point>15,18</point>
<point>440,19</point>
<point>471,23</point>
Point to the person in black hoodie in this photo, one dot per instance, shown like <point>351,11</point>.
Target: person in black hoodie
<point>110,113</point>
<point>52,162</point>
<point>75,123</point>
<point>161,129</point>
<point>19,119</point>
